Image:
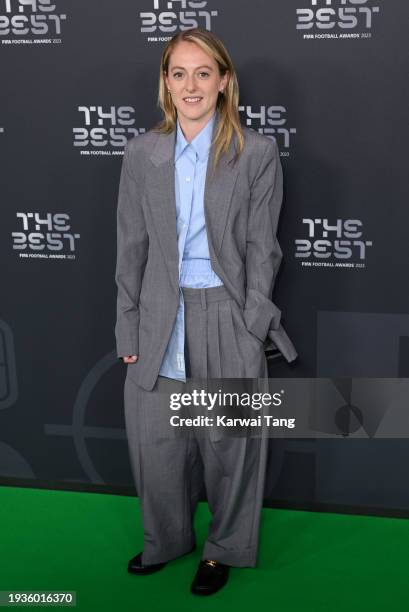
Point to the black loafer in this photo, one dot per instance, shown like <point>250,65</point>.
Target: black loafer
<point>135,566</point>
<point>210,577</point>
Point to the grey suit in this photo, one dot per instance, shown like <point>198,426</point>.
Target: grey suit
<point>227,330</point>
<point>242,204</point>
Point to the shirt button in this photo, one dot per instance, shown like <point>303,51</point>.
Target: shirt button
<point>188,179</point>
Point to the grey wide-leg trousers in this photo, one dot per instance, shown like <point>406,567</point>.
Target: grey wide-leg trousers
<point>169,466</point>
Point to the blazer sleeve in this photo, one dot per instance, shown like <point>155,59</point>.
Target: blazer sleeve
<point>132,250</point>
<point>263,253</point>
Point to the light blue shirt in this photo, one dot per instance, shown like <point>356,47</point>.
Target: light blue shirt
<point>194,260</point>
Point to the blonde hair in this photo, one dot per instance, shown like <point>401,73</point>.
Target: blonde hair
<point>227,102</point>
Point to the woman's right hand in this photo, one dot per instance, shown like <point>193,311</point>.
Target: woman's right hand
<point>130,359</point>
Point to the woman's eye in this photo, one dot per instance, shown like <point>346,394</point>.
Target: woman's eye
<point>206,74</point>
<point>176,74</point>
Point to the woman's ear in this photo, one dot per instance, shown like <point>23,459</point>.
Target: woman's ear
<point>225,79</point>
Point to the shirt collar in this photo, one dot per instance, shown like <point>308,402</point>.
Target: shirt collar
<point>200,143</point>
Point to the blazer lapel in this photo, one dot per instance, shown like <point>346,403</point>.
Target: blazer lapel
<point>218,192</point>
<point>161,193</point>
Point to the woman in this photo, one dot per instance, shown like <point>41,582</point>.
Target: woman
<point>199,201</point>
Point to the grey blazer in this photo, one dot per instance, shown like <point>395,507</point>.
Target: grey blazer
<point>242,204</point>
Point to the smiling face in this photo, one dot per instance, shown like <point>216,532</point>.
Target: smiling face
<point>194,81</point>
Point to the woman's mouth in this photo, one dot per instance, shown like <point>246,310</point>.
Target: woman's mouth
<point>192,100</point>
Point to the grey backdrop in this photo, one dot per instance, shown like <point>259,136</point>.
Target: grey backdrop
<point>328,78</point>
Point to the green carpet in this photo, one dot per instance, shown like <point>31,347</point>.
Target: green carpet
<point>60,540</point>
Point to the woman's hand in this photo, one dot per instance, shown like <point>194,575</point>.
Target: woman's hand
<point>130,359</point>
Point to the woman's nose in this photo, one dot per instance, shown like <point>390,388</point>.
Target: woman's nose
<point>190,84</point>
